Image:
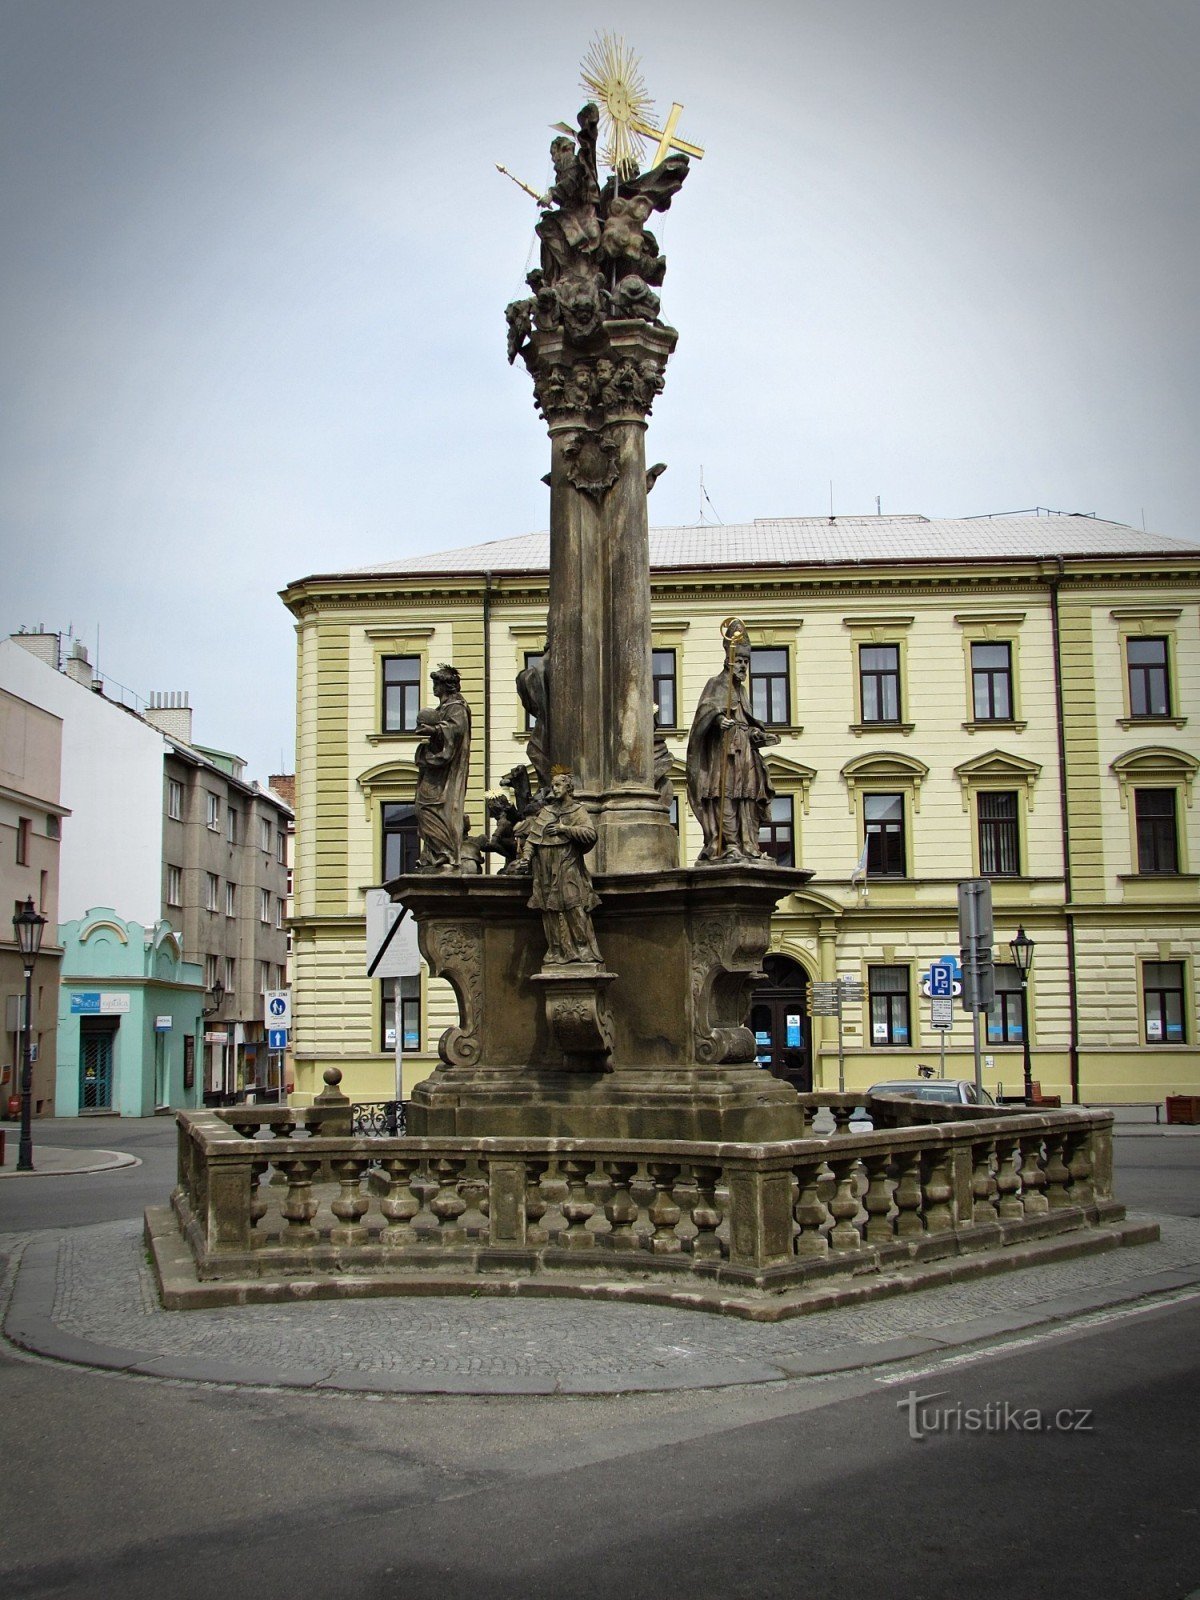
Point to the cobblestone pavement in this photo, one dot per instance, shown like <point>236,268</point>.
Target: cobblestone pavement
<point>89,1296</point>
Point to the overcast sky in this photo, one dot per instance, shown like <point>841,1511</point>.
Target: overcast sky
<point>256,256</point>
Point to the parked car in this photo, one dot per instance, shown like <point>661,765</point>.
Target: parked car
<point>942,1091</point>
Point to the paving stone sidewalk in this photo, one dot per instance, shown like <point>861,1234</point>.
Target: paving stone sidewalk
<point>88,1296</point>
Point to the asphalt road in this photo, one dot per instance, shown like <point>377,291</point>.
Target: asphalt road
<point>116,1486</point>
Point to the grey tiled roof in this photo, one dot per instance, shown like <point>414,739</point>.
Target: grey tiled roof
<point>801,541</point>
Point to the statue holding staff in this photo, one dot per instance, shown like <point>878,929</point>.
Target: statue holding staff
<point>729,789</point>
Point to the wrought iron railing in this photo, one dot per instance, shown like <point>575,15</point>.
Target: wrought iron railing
<point>377,1119</point>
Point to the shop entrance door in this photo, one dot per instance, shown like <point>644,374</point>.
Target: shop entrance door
<point>779,1018</point>
<point>96,1062</point>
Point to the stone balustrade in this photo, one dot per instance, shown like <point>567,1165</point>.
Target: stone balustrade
<point>277,1193</point>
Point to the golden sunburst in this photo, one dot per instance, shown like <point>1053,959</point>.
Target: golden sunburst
<point>612,74</point>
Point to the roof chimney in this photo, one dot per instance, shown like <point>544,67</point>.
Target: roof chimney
<point>39,643</point>
<point>77,667</point>
<point>170,713</point>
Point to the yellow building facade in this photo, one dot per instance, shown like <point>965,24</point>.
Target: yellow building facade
<point>1015,697</point>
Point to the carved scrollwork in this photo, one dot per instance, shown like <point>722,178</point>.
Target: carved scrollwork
<point>578,1015</point>
<point>455,952</point>
<point>726,962</point>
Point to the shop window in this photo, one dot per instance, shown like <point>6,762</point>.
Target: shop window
<point>888,992</point>
<point>1006,1014</point>
<point>1162,1001</point>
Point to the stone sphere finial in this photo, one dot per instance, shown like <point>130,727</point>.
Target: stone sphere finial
<point>332,1076</point>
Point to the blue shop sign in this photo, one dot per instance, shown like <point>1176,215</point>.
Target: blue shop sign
<point>85,1004</point>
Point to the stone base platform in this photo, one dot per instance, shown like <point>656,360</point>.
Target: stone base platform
<point>181,1288</point>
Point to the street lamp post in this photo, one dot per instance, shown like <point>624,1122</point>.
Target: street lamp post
<point>1022,948</point>
<point>27,925</point>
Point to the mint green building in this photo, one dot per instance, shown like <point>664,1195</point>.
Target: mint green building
<point>130,1020</point>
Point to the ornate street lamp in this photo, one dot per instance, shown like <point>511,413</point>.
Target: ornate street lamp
<point>218,993</point>
<point>27,925</point>
<point>1022,948</point>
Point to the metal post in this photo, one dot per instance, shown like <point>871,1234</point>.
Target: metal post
<point>1025,1038</point>
<point>398,1018</point>
<point>978,1057</point>
<point>841,1047</point>
<point>25,1145</point>
<point>942,1044</point>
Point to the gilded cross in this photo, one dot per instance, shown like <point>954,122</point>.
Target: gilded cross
<point>667,138</point>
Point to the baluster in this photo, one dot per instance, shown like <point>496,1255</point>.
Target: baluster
<point>844,1207</point>
<point>907,1193</point>
<point>598,1186</point>
<point>664,1212</point>
<point>1057,1173</point>
<point>300,1204</point>
<point>810,1211</point>
<point>258,1200</point>
<point>642,1191</point>
<point>937,1185</point>
<point>1033,1179</point>
<point>1008,1181</point>
<point>983,1182</point>
<point>578,1207</point>
<point>447,1204</point>
<point>425,1224</point>
<point>473,1192</point>
<point>841,1119</point>
<point>1079,1165</point>
<point>535,1205</point>
<point>707,1215</point>
<point>877,1201</point>
<point>620,1209</point>
<point>554,1190</point>
<point>399,1205</point>
<point>349,1205</point>
<point>686,1194</point>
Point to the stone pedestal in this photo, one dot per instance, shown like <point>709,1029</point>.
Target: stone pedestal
<point>686,948</point>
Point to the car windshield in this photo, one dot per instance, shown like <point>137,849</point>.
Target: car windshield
<point>946,1092</point>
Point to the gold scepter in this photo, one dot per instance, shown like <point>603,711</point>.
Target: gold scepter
<point>733,633</point>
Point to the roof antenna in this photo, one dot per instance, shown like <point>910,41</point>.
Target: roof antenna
<point>1143,519</point>
<point>878,511</point>
<point>831,516</point>
<point>704,497</point>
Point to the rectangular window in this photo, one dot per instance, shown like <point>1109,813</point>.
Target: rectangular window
<point>280,845</point>
<point>212,887</point>
<point>883,815</point>
<point>769,698</point>
<point>410,1013</point>
<point>264,977</point>
<point>231,826</point>
<point>1162,997</point>
<point>210,972</point>
<point>230,974</point>
<point>888,990</point>
<point>401,693</point>
<point>1149,687</point>
<point>279,912</point>
<point>212,811</point>
<point>999,835</point>
<point>991,682</point>
<point>231,900</point>
<point>662,669</point>
<point>175,799</point>
<point>264,835</point>
<point>401,846</point>
<point>879,681</point>
<point>1006,1014</point>
<point>53,827</point>
<point>775,835</point>
<point>23,830</point>
<point>174,886</point>
<point>1157,837</point>
<point>280,977</point>
<point>264,905</point>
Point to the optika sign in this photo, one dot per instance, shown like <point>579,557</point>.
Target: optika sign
<point>997,1416</point>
